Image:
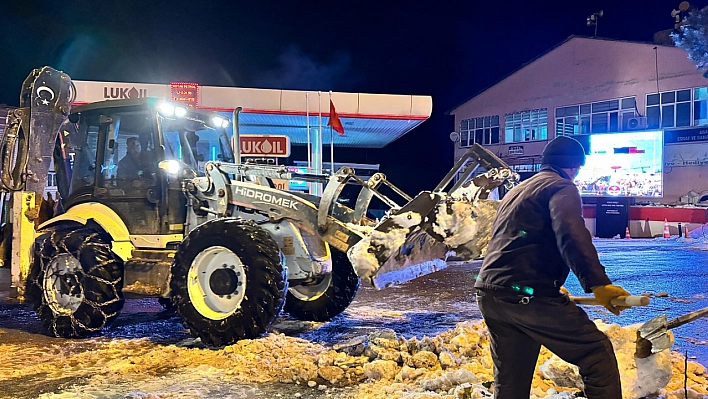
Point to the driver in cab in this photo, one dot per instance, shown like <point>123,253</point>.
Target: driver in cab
<point>133,167</point>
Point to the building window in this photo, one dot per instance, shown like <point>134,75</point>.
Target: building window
<point>597,117</point>
<point>700,110</point>
<point>678,108</point>
<point>483,130</point>
<point>526,126</point>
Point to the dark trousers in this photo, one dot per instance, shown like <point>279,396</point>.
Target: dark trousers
<point>518,330</point>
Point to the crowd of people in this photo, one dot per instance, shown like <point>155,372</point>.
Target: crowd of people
<point>637,185</point>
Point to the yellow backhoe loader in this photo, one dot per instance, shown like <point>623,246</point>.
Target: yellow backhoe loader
<point>154,202</point>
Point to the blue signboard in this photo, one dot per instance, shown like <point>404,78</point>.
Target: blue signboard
<point>686,135</point>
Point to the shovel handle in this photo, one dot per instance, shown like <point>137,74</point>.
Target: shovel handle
<point>634,300</point>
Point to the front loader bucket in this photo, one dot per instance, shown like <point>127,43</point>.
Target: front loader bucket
<point>417,238</point>
<point>412,243</point>
<point>396,244</point>
<point>419,255</point>
<point>464,226</point>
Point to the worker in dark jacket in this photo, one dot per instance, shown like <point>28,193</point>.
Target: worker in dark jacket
<point>538,236</point>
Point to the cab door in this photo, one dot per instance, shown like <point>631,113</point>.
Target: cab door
<point>136,196</point>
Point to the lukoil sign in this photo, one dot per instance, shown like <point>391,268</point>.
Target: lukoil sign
<point>118,93</point>
<point>265,145</point>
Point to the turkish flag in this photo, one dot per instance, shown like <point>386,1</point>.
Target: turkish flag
<point>334,119</point>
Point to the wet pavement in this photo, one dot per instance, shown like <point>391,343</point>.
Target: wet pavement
<point>423,307</point>
<point>675,267</point>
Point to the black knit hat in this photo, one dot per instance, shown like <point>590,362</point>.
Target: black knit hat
<point>564,152</point>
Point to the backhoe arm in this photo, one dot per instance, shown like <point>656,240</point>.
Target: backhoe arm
<point>27,146</point>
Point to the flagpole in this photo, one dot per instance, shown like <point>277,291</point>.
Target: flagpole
<point>317,156</point>
<point>331,138</point>
<point>309,149</point>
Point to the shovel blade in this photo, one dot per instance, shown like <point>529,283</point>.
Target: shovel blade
<point>653,337</point>
<point>653,327</point>
<point>648,346</point>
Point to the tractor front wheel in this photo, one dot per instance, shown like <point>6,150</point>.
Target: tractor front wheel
<point>228,282</point>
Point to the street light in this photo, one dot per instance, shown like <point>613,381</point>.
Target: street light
<point>677,14</point>
<point>593,20</point>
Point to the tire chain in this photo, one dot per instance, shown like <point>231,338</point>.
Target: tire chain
<point>55,245</point>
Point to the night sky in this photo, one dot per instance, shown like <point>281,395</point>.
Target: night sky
<point>450,50</point>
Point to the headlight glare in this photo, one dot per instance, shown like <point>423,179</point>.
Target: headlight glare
<point>167,110</point>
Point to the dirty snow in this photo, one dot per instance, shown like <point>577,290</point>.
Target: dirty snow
<point>455,364</point>
<point>466,226</point>
<point>364,262</point>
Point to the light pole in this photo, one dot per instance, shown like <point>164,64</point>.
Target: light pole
<point>593,20</point>
<point>455,138</point>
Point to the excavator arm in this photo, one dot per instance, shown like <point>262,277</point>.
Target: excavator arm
<point>28,144</point>
<point>26,150</point>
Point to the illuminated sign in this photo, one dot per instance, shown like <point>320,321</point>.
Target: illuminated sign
<point>187,93</point>
<point>115,93</point>
<point>265,145</point>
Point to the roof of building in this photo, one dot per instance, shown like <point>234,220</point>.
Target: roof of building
<point>551,49</point>
<point>369,120</point>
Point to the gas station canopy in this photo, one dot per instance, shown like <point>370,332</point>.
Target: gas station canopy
<point>369,120</point>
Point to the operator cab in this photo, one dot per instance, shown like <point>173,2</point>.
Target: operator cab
<point>110,152</point>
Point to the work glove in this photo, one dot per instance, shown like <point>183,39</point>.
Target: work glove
<point>605,293</point>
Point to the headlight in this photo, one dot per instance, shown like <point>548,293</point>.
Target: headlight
<point>170,166</point>
<point>218,121</point>
<point>180,112</point>
<point>167,110</point>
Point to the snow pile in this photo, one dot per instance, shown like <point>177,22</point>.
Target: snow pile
<point>464,369</point>
<point>466,226</point>
<point>696,380</point>
<point>456,364</point>
<point>640,377</point>
<point>362,256</point>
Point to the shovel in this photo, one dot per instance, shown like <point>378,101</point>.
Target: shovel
<point>626,301</point>
<point>652,337</point>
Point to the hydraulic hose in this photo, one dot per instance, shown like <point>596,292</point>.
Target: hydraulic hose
<point>15,155</point>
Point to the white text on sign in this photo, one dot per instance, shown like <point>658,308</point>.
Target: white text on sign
<point>265,146</point>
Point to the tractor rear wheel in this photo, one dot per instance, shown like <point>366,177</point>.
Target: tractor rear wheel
<point>75,282</point>
<point>228,282</point>
<point>329,296</point>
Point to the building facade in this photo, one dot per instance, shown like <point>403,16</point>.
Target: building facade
<point>591,85</point>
